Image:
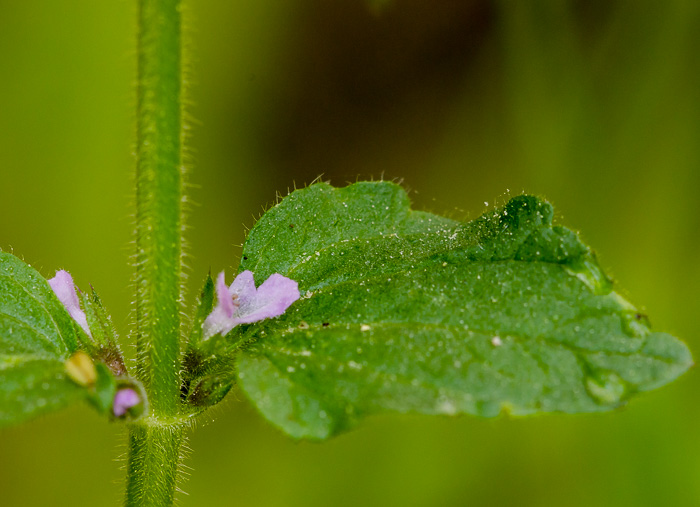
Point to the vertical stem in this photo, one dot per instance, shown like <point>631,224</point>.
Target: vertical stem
<point>153,464</point>
<point>155,440</point>
<point>158,202</point>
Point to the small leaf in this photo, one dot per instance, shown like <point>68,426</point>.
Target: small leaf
<point>99,322</point>
<point>208,374</point>
<point>37,336</point>
<point>105,346</point>
<point>210,387</point>
<point>103,390</point>
<point>208,370</point>
<point>406,311</point>
<point>204,308</point>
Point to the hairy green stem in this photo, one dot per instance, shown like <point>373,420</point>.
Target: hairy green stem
<point>158,203</point>
<point>153,464</point>
<point>154,443</point>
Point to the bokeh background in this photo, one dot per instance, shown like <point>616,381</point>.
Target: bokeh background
<point>593,104</point>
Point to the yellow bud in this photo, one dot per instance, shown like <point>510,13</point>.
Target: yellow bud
<point>81,369</point>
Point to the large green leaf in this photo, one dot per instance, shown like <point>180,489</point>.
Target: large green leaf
<point>411,312</point>
<point>36,337</point>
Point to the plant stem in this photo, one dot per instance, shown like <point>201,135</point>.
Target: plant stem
<point>153,464</point>
<point>155,441</point>
<point>158,203</point>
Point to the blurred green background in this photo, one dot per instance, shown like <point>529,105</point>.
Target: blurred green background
<point>594,105</point>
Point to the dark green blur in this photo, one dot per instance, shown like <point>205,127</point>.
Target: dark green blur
<point>593,105</point>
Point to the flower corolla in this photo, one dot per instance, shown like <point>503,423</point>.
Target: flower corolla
<point>63,286</point>
<point>242,303</point>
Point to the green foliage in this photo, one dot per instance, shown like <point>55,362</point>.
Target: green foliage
<point>46,359</point>
<point>406,311</point>
<point>204,308</point>
<point>104,389</point>
<point>36,337</point>
<point>208,367</point>
<point>104,346</point>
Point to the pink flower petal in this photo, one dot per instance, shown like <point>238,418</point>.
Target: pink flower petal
<point>220,320</point>
<point>64,288</point>
<point>244,287</point>
<point>124,400</point>
<point>271,299</point>
<point>225,297</point>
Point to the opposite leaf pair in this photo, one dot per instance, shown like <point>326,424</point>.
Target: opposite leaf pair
<point>403,311</point>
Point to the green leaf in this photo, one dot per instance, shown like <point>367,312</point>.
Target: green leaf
<point>36,337</point>
<point>104,345</point>
<point>405,311</point>
<point>208,367</point>
<point>203,309</point>
<point>102,395</point>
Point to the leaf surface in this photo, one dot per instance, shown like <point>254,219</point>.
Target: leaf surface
<point>36,337</point>
<point>405,311</point>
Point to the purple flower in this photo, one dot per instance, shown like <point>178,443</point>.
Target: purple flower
<point>124,400</point>
<point>242,303</point>
<point>62,284</point>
